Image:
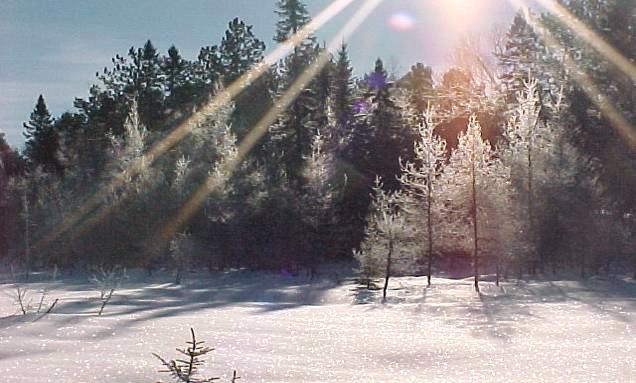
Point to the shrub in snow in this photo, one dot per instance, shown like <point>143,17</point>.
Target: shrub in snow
<point>181,247</point>
<point>187,370</point>
<point>107,280</point>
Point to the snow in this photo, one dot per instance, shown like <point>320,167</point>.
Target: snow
<point>275,328</point>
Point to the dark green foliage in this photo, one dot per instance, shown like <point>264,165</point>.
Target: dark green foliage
<point>138,76</point>
<point>293,16</point>
<point>178,85</point>
<point>342,88</point>
<point>42,140</point>
<point>240,50</point>
<point>379,138</point>
<point>187,370</point>
<point>419,81</point>
<point>521,56</point>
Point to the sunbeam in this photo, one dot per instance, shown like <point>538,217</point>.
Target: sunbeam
<point>212,183</point>
<point>600,100</point>
<point>590,37</point>
<point>178,133</point>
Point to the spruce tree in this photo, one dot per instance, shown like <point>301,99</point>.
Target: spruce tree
<point>42,140</point>
<point>382,137</point>
<point>178,85</point>
<point>239,52</point>
<point>139,76</point>
<point>293,133</point>
<point>419,82</point>
<point>521,56</point>
<point>342,88</point>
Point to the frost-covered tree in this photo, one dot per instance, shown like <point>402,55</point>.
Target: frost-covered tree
<point>319,197</point>
<point>467,184</point>
<point>382,249</point>
<point>420,175</point>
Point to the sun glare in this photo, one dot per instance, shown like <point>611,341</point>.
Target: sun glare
<point>454,13</point>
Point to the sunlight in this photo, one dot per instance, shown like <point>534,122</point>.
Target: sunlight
<point>459,11</point>
<point>616,119</point>
<point>256,133</point>
<point>178,133</point>
<point>593,39</point>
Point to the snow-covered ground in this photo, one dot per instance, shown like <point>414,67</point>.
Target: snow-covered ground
<point>278,328</point>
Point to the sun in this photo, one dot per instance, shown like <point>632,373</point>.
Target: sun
<point>459,7</point>
<point>457,13</point>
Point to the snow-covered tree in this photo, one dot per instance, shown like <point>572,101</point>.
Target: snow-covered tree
<point>382,248</point>
<point>469,183</point>
<point>319,195</point>
<point>420,176</point>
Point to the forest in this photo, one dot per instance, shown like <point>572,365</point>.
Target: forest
<point>516,161</point>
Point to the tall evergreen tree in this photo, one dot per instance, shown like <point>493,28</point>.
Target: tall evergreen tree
<point>419,81</point>
<point>239,52</point>
<point>296,126</point>
<point>342,88</point>
<point>521,56</point>
<point>42,141</point>
<point>178,84</point>
<point>139,76</point>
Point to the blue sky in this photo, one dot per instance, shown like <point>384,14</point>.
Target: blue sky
<point>54,47</point>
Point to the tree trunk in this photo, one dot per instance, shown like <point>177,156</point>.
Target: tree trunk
<point>27,235</point>
<point>474,214</point>
<point>430,229</point>
<point>388,270</point>
<point>497,273</point>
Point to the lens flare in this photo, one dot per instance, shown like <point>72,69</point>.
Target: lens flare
<point>401,22</point>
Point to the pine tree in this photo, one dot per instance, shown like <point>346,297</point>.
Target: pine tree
<point>383,137</point>
<point>138,77</point>
<point>521,56</point>
<point>379,138</point>
<point>42,140</point>
<point>419,82</point>
<point>343,89</point>
<point>178,85</point>
<point>293,132</point>
<point>239,52</point>
<point>614,160</point>
<point>207,72</point>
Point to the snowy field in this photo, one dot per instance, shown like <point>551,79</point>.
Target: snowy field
<point>279,328</point>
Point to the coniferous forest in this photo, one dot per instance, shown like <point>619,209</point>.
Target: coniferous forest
<point>521,163</point>
<point>319,221</point>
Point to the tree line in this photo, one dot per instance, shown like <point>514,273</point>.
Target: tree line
<point>502,167</point>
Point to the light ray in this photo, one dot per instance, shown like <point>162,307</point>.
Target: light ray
<point>622,126</point>
<point>251,139</point>
<point>178,133</point>
<point>591,37</point>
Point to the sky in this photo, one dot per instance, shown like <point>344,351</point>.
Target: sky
<point>55,47</point>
